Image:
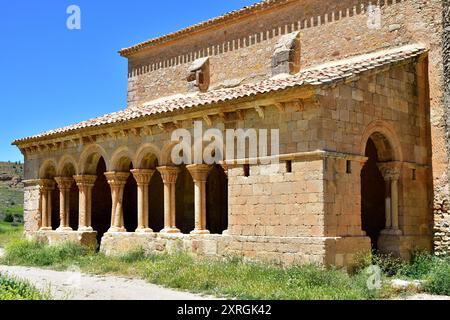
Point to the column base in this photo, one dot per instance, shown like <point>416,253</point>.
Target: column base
<point>117,229</point>
<point>170,230</point>
<point>144,230</point>
<point>391,232</point>
<point>64,229</point>
<point>45,229</point>
<point>200,232</point>
<point>85,229</point>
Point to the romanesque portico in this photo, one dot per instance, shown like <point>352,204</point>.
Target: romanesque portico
<point>350,167</point>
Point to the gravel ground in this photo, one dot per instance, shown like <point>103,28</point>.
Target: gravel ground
<point>72,285</point>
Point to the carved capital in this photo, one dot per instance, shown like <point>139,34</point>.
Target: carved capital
<point>390,170</point>
<point>199,172</point>
<point>117,178</point>
<point>142,176</point>
<point>47,184</point>
<point>85,180</point>
<point>64,183</point>
<point>169,174</point>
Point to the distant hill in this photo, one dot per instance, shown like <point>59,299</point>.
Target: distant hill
<point>11,188</point>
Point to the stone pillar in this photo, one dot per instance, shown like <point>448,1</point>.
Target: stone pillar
<point>169,176</point>
<point>117,181</point>
<point>199,173</point>
<point>143,177</point>
<point>85,184</point>
<point>45,190</point>
<point>64,185</point>
<point>391,174</point>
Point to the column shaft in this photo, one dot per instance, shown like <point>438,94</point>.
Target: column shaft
<point>143,177</point>
<point>199,174</point>
<point>169,176</point>
<point>117,181</point>
<point>85,184</point>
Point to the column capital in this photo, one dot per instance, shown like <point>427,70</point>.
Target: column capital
<point>142,176</point>
<point>64,183</point>
<point>85,180</point>
<point>199,172</point>
<point>117,178</point>
<point>390,170</point>
<point>168,174</point>
<point>47,184</point>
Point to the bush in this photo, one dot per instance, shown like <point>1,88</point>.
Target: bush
<point>13,289</point>
<point>420,266</point>
<point>438,281</point>
<point>9,218</point>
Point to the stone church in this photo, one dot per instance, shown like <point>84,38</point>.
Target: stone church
<point>356,89</point>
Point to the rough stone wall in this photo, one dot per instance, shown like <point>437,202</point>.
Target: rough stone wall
<point>442,205</point>
<point>32,216</point>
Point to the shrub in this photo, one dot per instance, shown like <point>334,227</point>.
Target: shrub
<point>420,266</point>
<point>438,282</point>
<point>13,289</point>
<point>9,218</point>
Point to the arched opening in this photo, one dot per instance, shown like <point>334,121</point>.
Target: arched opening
<point>150,161</point>
<point>130,203</point>
<point>69,171</point>
<point>156,202</point>
<point>217,200</point>
<point>102,203</point>
<point>185,201</point>
<point>48,172</point>
<point>373,192</point>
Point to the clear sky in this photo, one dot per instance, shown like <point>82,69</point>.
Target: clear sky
<point>51,76</point>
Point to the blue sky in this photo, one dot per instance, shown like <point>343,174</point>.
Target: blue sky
<point>51,76</point>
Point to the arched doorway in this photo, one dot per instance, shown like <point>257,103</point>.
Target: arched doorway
<point>217,200</point>
<point>102,203</point>
<point>185,201</point>
<point>373,192</point>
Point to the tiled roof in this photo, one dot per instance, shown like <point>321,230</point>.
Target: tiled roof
<point>246,11</point>
<point>316,76</point>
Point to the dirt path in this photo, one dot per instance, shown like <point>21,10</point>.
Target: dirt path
<point>76,286</point>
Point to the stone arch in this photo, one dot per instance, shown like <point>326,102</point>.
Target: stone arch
<point>121,160</point>
<point>385,139</point>
<point>48,169</point>
<point>90,157</point>
<point>166,153</point>
<point>67,167</point>
<point>147,157</point>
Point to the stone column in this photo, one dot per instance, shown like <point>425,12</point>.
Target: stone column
<point>117,181</point>
<point>199,173</point>
<point>169,176</point>
<point>143,177</point>
<point>391,174</point>
<point>45,190</point>
<point>64,185</point>
<point>85,184</point>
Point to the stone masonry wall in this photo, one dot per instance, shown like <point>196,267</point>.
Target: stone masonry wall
<point>442,205</point>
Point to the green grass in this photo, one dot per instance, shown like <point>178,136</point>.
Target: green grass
<point>9,233</point>
<point>231,278</point>
<point>10,199</point>
<point>14,289</point>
